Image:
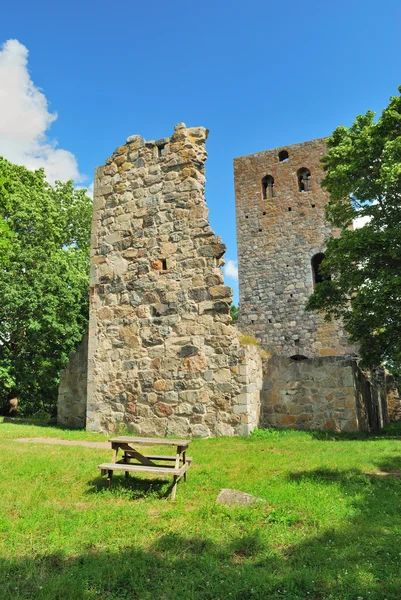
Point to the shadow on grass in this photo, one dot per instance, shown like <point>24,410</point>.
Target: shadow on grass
<point>328,476</point>
<point>172,568</point>
<point>177,567</point>
<point>390,466</point>
<point>359,560</point>
<point>391,432</point>
<point>133,487</point>
<point>51,422</point>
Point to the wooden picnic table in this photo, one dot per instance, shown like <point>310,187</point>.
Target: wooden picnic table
<point>134,461</point>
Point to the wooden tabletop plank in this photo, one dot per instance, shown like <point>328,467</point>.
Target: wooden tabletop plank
<point>149,441</point>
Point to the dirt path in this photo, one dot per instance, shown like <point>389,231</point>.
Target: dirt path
<point>40,440</point>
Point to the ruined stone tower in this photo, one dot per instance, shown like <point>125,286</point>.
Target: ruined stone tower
<point>163,355</point>
<point>282,235</point>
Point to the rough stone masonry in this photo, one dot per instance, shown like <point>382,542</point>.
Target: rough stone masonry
<point>163,356</point>
<point>280,228</point>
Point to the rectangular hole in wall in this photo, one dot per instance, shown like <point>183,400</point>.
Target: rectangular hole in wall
<point>160,150</point>
<point>289,209</point>
<point>164,264</point>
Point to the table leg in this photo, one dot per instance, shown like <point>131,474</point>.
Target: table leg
<point>174,488</point>
<point>126,460</point>
<point>177,457</point>
<point>109,476</point>
<point>176,477</point>
<point>184,460</point>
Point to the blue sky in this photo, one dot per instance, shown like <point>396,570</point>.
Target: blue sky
<point>257,74</point>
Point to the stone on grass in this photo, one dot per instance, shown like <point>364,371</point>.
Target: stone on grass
<point>236,498</point>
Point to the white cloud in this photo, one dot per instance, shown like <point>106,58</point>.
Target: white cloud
<point>88,188</point>
<point>25,119</point>
<point>231,269</point>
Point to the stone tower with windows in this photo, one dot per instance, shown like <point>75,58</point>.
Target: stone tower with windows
<point>309,381</point>
<point>282,235</point>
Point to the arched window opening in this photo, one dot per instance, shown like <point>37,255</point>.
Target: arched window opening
<point>304,180</point>
<point>268,187</point>
<point>298,357</point>
<point>283,155</point>
<point>316,261</point>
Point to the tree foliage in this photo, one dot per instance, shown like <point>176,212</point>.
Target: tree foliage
<point>363,177</point>
<point>44,282</point>
<point>234,313</point>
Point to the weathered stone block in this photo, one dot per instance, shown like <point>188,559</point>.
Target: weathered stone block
<point>221,291</point>
<point>200,431</point>
<point>178,426</point>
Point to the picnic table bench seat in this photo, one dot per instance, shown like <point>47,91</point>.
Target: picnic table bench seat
<point>120,465</point>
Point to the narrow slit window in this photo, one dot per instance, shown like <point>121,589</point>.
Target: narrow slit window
<point>268,187</point>
<point>160,150</point>
<point>164,264</point>
<point>304,180</point>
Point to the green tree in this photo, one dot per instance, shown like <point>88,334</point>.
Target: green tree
<point>363,177</point>
<point>6,236</point>
<point>234,313</point>
<point>44,272</point>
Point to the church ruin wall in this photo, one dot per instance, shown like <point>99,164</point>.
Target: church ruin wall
<point>164,358</point>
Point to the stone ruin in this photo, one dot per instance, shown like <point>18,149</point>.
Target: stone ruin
<point>162,356</point>
<point>312,380</point>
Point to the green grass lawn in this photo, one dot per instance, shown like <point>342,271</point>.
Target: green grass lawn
<point>326,531</point>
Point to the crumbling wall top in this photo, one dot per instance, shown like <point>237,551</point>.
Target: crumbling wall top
<point>186,145</point>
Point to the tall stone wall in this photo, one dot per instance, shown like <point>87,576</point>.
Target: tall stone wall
<point>72,396</point>
<point>277,238</point>
<point>163,356</point>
